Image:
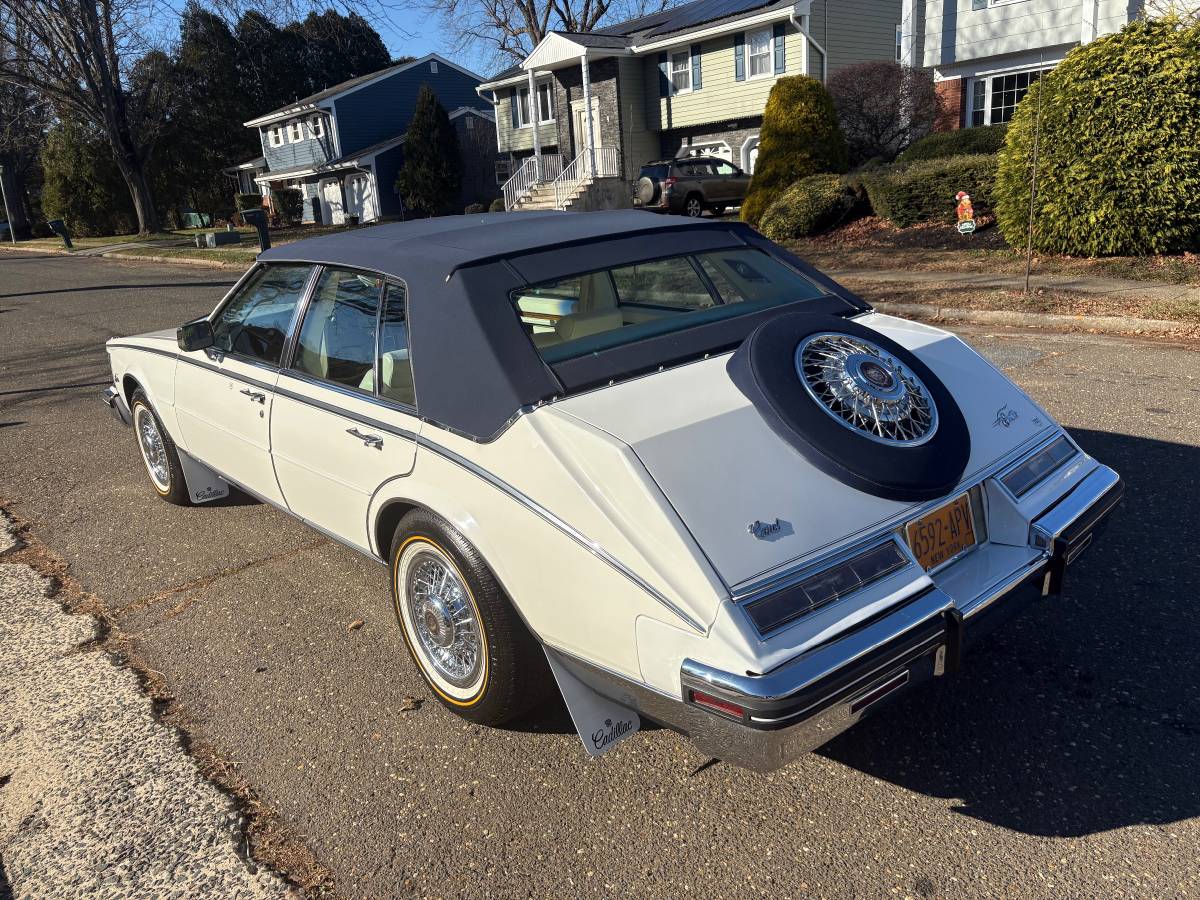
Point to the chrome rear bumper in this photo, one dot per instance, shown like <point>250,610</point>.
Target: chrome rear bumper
<point>812,698</point>
<point>115,401</point>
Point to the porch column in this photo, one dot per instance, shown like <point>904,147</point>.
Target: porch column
<point>587,114</point>
<point>533,116</point>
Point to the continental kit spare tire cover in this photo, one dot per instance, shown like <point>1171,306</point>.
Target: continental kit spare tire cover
<point>855,404</point>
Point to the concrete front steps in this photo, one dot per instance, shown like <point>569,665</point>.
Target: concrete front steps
<point>589,195</point>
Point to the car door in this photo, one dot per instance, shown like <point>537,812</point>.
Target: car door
<point>225,393</point>
<point>344,419</point>
<point>734,182</point>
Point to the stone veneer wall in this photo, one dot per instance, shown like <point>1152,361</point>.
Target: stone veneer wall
<point>568,87</point>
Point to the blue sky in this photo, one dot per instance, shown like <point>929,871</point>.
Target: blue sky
<point>415,32</point>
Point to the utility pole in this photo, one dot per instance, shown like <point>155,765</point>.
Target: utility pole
<point>12,232</point>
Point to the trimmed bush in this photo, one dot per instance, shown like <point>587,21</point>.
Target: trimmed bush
<point>1117,170</point>
<point>811,205</point>
<point>474,209</point>
<point>799,137</point>
<point>247,201</point>
<point>289,203</point>
<point>963,142</point>
<point>497,205</point>
<point>924,191</point>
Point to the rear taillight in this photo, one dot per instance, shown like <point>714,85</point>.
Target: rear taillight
<point>716,704</point>
<point>668,183</point>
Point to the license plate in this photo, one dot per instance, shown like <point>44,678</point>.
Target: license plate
<point>942,534</point>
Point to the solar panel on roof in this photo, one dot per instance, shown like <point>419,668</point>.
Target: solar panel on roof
<point>705,11</point>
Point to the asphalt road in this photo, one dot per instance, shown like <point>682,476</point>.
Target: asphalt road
<point>1064,761</point>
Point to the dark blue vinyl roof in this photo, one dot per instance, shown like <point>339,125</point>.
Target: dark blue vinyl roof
<point>449,242</point>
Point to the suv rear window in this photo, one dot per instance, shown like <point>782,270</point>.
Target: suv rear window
<point>598,310</point>
<point>655,173</point>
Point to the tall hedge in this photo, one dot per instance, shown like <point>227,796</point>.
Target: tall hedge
<point>799,137</point>
<point>906,194</point>
<point>1118,169</point>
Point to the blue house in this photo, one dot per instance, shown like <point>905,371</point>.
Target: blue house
<point>343,147</point>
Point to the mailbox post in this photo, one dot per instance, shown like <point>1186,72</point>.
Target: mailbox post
<point>59,227</point>
<point>258,219</point>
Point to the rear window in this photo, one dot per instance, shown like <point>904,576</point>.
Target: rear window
<point>657,173</point>
<point>596,311</point>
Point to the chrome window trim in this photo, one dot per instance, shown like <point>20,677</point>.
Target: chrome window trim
<point>289,336</point>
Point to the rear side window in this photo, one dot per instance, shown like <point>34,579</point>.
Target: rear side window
<point>337,340</point>
<point>254,323</point>
<point>656,173</point>
<point>395,366</point>
<point>600,310</point>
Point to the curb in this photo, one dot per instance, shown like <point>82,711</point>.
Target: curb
<point>180,260</point>
<point>1104,324</point>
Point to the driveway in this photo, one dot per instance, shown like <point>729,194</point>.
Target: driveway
<point>1061,762</point>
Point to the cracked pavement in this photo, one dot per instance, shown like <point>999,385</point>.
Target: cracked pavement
<point>1061,762</point>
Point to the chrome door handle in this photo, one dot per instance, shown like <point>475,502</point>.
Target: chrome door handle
<point>255,395</point>
<point>369,440</point>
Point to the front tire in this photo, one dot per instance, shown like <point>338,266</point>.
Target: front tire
<point>158,452</point>
<point>693,206</point>
<point>470,646</point>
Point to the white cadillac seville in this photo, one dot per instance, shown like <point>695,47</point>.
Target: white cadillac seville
<point>695,477</point>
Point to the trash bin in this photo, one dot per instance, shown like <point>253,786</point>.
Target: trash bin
<point>59,227</point>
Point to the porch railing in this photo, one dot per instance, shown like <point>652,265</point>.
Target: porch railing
<point>598,162</point>
<point>530,174</point>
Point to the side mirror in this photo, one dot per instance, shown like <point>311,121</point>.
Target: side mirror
<point>194,335</point>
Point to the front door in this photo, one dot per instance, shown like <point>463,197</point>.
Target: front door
<point>580,123</point>
<point>331,193</point>
<point>345,419</point>
<point>224,395</point>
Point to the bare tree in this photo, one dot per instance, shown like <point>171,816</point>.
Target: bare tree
<point>882,107</point>
<point>81,55</point>
<point>24,118</point>
<point>512,28</point>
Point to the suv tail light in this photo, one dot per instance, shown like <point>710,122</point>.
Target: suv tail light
<point>669,182</point>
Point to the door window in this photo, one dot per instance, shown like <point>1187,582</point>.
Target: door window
<point>724,168</point>
<point>395,366</point>
<point>337,339</point>
<point>254,324</point>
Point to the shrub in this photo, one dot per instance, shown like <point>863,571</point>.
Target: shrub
<point>474,209</point>
<point>83,185</point>
<point>497,205</point>
<point>963,142</point>
<point>882,107</point>
<point>289,203</point>
<point>247,201</point>
<point>799,137</point>
<point>811,205</point>
<point>908,193</point>
<point>1117,169</point>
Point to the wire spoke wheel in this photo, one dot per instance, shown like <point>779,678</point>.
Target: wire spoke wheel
<point>866,389</point>
<point>154,451</point>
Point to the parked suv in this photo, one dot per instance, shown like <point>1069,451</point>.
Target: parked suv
<point>691,185</point>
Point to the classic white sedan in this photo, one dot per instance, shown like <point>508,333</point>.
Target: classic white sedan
<point>697,478</point>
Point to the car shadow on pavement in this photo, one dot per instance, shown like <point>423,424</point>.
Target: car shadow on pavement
<point>1082,715</point>
<point>90,288</point>
<point>5,886</point>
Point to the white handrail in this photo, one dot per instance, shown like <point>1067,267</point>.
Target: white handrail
<point>600,162</point>
<point>530,174</point>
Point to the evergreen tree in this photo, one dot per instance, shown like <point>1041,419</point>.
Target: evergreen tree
<point>431,178</point>
<point>338,48</point>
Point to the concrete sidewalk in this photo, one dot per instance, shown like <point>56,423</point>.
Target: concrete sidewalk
<point>1082,284</point>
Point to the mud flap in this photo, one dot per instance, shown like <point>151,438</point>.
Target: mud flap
<point>601,724</point>
<point>203,483</point>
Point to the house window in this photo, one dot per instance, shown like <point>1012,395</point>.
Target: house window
<point>758,48</point>
<point>316,127</point>
<point>433,66</point>
<point>275,135</point>
<point>545,94</point>
<point>681,72</point>
<point>521,98</point>
<point>899,43</point>
<point>295,134</point>
<point>470,123</point>
<point>503,170</point>
<point>995,99</point>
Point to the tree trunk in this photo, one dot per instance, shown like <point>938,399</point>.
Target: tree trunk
<point>134,173</point>
<point>14,191</point>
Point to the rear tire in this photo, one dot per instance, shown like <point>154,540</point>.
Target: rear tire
<point>158,452</point>
<point>462,632</point>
